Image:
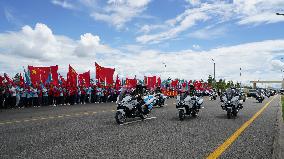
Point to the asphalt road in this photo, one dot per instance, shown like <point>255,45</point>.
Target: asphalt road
<point>90,131</point>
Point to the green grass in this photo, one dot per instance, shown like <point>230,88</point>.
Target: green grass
<point>282,101</point>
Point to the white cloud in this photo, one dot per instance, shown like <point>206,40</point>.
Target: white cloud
<point>149,28</point>
<point>195,46</point>
<point>10,16</point>
<point>39,46</point>
<point>193,2</point>
<point>186,20</point>
<point>63,3</point>
<point>209,33</point>
<point>266,17</point>
<point>119,12</point>
<point>181,23</point>
<point>245,12</point>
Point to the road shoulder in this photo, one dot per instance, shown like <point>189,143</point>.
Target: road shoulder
<point>278,145</point>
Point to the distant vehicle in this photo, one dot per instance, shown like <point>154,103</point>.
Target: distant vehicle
<point>252,93</point>
<point>281,91</point>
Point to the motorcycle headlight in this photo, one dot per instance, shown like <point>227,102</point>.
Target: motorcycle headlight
<point>229,102</point>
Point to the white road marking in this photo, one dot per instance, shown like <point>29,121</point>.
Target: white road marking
<point>138,121</point>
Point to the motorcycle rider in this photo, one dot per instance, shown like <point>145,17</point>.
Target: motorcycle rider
<point>158,90</point>
<point>137,93</point>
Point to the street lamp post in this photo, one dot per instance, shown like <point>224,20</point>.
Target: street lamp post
<point>240,77</point>
<point>214,68</point>
<point>165,69</point>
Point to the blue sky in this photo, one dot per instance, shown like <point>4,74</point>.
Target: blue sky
<point>126,33</point>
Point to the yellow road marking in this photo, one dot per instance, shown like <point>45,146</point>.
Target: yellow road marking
<point>218,152</point>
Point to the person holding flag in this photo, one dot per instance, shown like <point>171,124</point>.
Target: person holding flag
<point>35,97</point>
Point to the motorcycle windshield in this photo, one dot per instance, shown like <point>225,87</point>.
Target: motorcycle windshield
<point>182,96</point>
<point>229,94</point>
<point>126,99</point>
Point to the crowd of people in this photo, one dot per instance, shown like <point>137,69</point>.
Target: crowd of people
<point>15,96</point>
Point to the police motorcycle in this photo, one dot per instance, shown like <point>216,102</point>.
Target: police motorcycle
<point>231,102</point>
<point>188,105</point>
<point>160,99</point>
<point>213,95</point>
<point>242,95</point>
<point>149,102</point>
<point>131,106</point>
<point>260,96</point>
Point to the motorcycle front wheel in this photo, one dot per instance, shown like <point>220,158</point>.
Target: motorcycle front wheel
<point>120,118</point>
<point>181,114</point>
<point>229,113</point>
<point>235,113</point>
<point>194,113</point>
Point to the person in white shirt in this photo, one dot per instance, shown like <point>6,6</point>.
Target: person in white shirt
<point>13,96</point>
<point>23,99</point>
<point>35,97</point>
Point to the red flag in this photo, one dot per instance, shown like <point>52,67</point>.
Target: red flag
<point>63,81</point>
<point>145,80</point>
<point>22,81</point>
<point>117,83</point>
<point>8,79</point>
<point>159,82</point>
<point>131,83</point>
<point>174,83</point>
<point>1,80</point>
<point>151,82</point>
<point>104,74</point>
<point>84,79</point>
<point>72,77</point>
<point>40,74</point>
<point>197,85</point>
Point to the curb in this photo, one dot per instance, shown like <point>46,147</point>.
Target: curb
<point>278,143</point>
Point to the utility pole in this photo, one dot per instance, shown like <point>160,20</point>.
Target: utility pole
<point>165,69</point>
<point>240,77</point>
<point>214,69</point>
